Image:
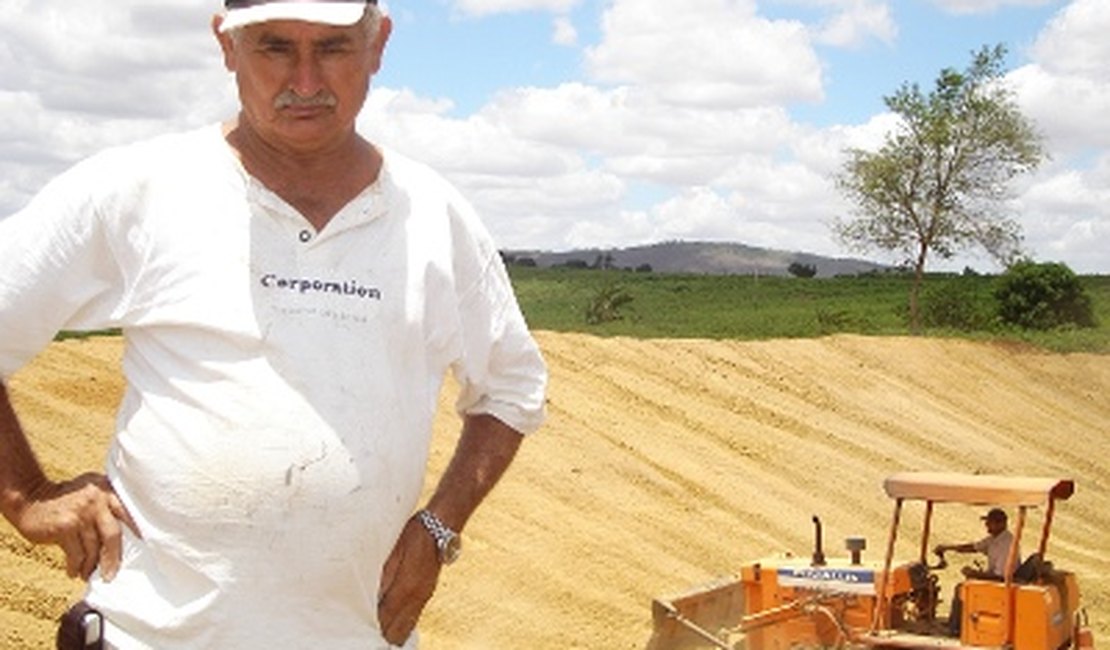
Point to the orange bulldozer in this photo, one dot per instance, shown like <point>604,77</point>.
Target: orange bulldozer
<point>784,603</point>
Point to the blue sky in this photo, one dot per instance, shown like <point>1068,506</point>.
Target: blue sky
<point>928,40</point>
<point>439,51</point>
<point>610,123</point>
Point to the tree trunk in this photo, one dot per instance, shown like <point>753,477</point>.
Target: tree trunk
<point>915,293</point>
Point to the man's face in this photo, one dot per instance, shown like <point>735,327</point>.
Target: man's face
<point>995,525</point>
<point>301,85</point>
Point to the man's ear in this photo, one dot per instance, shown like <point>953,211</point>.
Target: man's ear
<point>227,43</point>
<point>377,48</point>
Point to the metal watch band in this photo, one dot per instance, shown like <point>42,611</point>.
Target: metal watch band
<point>447,541</point>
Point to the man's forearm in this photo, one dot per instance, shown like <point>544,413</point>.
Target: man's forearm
<point>968,547</point>
<point>20,472</point>
<point>485,450</point>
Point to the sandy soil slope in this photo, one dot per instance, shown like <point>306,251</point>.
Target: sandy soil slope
<point>666,463</point>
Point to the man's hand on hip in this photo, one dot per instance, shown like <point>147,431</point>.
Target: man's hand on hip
<point>83,516</point>
<point>408,581</point>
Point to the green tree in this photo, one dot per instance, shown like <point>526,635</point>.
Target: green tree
<point>939,182</point>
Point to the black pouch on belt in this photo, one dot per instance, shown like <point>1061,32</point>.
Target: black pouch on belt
<point>81,628</point>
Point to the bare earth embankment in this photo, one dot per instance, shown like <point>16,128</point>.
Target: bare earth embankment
<point>666,463</point>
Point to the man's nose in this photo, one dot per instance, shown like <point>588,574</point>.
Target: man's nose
<point>306,79</point>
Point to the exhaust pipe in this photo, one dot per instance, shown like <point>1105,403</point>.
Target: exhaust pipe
<point>856,545</point>
<point>818,554</point>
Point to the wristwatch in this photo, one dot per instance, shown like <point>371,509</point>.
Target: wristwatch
<point>447,541</point>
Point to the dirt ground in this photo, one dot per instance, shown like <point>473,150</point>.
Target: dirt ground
<point>666,463</point>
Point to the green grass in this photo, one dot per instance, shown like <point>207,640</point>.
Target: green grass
<point>70,334</point>
<point>746,307</point>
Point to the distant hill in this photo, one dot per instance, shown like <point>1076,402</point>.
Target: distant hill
<point>712,258</point>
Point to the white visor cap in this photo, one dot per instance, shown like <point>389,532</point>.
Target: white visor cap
<point>341,12</point>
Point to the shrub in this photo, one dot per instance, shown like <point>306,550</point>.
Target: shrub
<point>1042,296</point>
<point>832,320</point>
<point>961,304</point>
<point>606,305</point>
<point>799,270</point>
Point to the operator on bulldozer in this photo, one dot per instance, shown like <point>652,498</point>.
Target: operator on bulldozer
<point>996,546</point>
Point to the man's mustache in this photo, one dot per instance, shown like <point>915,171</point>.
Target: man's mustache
<point>290,99</point>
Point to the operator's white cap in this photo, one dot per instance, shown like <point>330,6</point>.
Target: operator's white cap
<point>329,12</point>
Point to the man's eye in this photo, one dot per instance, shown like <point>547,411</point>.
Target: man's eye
<point>274,47</point>
<point>334,49</point>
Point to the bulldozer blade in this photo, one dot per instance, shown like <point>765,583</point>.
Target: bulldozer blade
<point>698,617</point>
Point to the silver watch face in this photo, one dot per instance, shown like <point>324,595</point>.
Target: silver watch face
<point>447,541</point>
<point>451,549</point>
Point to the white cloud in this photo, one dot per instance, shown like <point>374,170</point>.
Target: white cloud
<point>560,165</point>
<point>489,7</point>
<point>1075,42</point>
<point>680,128</point>
<point>709,214</point>
<point>1071,110</point>
<point>697,212</point>
<point>1065,208</point>
<point>636,132</point>
<point>856,22</point>
<point>554,165</point>
<point>1068,216</point>
<point>78,77</point>
<point>986,6</point>
<point>564,33</point>
<point>66,52</point>
<point>1066,88</point>
<point>707,54</point>
<point>527,187</point>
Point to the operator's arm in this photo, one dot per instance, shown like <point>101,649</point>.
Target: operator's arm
<point>485,450</point>
<point>968,547</point>
<point>82,516</point>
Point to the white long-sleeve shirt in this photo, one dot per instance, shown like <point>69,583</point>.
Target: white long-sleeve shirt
<point>281,382</point>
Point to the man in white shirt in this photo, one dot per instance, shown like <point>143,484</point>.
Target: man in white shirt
<point>996,546</point>
<point>291,297</point>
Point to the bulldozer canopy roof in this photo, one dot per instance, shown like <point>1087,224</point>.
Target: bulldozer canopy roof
<point>977,489</point>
